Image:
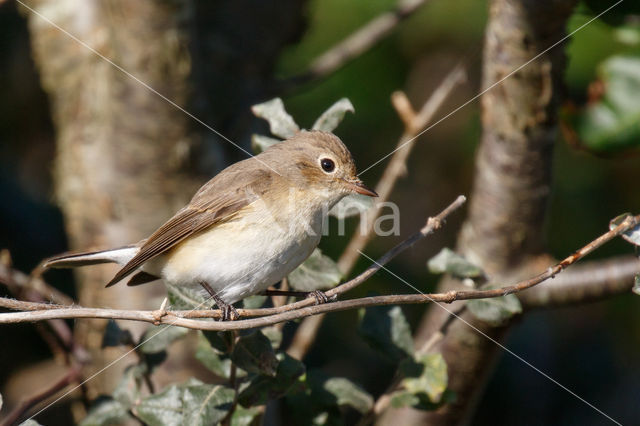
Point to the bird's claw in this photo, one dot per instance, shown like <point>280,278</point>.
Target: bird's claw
<point>229,313</point>
<point>321,297</point>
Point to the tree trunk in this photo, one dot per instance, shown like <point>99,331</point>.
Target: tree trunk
<point>504,228</point>
<point>121,165</point>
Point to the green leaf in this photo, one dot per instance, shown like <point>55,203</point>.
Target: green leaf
<point>127,391</point>
<point>158,338</point>
<point>636,285</point>
<point>262,388</point>
<point>351,205</point>
<point>206,404</point>
<point>318,272</point>
<point>448,261</point>
<point>632,235</point>
<point>613,122</point>
<point>260,143</point>
<point>115,336</point>
<point>254,354</point>
<point>182,297</point>
<point>220,340</point>
<point>331,118</point>
<point>386,329</point>
<point>349,394</point>
<point>495,310</point>
<point>211,358</point>
<point>106,411</point>
<point>253,302</point>
<point>425,374</point>
<point>245,416</point>
<point>164,408</point>
<point>193,403</point>
<point>281,123</point>
<point>403,398</point>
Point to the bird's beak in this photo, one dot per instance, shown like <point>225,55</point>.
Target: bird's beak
<point>356,185</point>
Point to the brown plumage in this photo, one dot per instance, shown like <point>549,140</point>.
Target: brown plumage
<point>300,164</point>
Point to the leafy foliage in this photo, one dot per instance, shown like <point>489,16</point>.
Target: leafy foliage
<point>424,383</point>
<point>281,124</point>
<point>318,272</point>
<point>448,261</point>
<point>106,411</point>
<point>261,388</point>
<point>351,205</point>
<point>495,310</point>
<point>254,354</point>
<point>331,118</point>
<point>250,367</point>
<point>192,403</point>
<point>386,329</point>
<point>611,121</point>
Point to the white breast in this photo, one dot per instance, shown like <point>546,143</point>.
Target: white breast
<point>243,256</point>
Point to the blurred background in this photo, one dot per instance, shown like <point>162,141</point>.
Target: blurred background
<point>223,57</point>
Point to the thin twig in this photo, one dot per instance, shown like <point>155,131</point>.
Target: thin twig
<point>589,281</point>
<point>414,122</point>
<point>174,318</point>
<point>72,376</point>
<point>397,164</point>
<point>13,278</point>
<point>33,288</point>
<point>354,45</point>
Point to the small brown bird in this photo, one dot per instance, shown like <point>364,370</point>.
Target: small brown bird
<point>245,229</point>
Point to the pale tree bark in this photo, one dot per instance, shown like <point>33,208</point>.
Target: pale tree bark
<point>127,159</point>
<point>504,228</point>
<point>121,165</point>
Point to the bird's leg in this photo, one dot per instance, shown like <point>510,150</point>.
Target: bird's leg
<point>321,297</point>
<point>229,313</point>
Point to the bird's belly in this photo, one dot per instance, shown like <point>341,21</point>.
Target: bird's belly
<point>238,260</point>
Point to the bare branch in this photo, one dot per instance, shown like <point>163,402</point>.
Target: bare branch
<point>591,281</point>
<point>356,44</point>
<point>179,318</point>
<point>13,278</point>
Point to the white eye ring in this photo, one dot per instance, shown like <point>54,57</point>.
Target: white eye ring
<point>327,164</point>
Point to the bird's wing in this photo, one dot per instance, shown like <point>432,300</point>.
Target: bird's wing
<point>217,201</point>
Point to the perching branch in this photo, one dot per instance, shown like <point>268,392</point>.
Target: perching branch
<point>414,123</point>
<point>181,318</point>
<point>355,44</point>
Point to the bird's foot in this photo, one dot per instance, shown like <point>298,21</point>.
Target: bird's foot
<point>229,313</point>
<point>321,297</point>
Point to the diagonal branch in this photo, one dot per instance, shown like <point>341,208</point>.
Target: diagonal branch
<point>414,123</point>
<point>355,44</point>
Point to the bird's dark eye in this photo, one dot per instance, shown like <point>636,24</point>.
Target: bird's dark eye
<point>327,165</point>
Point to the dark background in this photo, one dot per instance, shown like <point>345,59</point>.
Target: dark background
<point>591,349</point>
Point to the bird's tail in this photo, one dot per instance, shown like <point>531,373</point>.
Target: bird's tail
<point>119,255</point>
